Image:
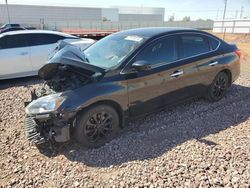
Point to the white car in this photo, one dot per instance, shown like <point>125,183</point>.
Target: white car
<point>23,53</point>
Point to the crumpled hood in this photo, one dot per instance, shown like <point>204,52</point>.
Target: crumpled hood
<point>67,54</point>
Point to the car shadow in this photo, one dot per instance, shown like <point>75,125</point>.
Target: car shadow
<point>158,133</point>
<point>16,82</point>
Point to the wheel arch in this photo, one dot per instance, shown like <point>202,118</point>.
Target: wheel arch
<point>229,73</point>
<point>111,103</point>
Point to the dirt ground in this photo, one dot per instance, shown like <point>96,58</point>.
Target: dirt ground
<point>196,144</point>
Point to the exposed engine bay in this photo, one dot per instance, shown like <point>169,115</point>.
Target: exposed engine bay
<point>64,77</point>
<point>66,70</point>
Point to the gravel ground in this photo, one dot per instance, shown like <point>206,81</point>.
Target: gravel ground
<point>197,144</point>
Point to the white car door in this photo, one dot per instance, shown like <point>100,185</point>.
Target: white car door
<point>41,45</point>
<point>14,57</point>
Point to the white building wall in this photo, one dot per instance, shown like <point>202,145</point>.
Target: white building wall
<point>140,10</point>
<point>31,14</point>
<point>59,18</point>
<point>140,17</point>
<point>127,13</point>
<point>111,14</point>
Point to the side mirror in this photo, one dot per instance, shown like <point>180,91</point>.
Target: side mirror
<point>141,65</point>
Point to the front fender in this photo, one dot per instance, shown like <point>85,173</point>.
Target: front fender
<point>87,95</point>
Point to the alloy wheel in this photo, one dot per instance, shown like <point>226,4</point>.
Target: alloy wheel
<point>98,127</point>
<point>219,87</point>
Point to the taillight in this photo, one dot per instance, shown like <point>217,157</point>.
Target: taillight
<point>238,52</point>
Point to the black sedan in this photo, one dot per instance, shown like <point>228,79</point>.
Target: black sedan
<point>91,95</point>
<point>12,29</point>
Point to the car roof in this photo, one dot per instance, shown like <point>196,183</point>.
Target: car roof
<point>13,28</point>
<point>9,24</point>
<point>34,32</point>
<point>149,32</point>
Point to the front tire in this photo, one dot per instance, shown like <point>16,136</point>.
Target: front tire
<point>218,88</point>
<point>96,126</point>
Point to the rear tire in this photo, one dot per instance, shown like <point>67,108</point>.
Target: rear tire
<point>217,90</point>
<point>96,126</point>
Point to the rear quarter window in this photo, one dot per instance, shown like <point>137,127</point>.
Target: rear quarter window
<point>213,43</point>
<point>43,39</point>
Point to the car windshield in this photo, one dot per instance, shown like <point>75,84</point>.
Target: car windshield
<point>112,50</point>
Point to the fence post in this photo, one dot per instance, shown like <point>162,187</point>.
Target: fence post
<point>224,33</point>
<point>233,26</point>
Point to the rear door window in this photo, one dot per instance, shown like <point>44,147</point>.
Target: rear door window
<point>13,41</point>
<point>192,45</point>
<point>43,39</point>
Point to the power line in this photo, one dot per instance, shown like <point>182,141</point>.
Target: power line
<point>241,11</point>
<point>224,15</point>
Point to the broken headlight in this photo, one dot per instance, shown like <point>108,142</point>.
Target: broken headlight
<point>45,104</point>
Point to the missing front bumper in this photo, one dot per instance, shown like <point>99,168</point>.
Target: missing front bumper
<point>32,131</point>
<point>42,129</point>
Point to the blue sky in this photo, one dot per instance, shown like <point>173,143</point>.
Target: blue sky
<point>194,8</point>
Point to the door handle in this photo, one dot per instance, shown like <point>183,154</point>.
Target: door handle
<point>24,53</point>
<point>176,73</point>
<point>213,63</point>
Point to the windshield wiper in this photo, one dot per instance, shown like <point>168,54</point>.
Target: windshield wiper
<point>87,59</point>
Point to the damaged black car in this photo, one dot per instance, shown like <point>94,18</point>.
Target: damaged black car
<point>90,95</point>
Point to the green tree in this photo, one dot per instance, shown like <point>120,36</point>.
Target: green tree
<point>209,20</point>
<point>171,19</point>
<point>104,19</point>
<point>200,20</point>
<point>186,19</point>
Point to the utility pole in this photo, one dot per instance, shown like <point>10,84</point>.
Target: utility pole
<point>241,12</point>
<point>224,15</point>
<point>225,9</point>
<point>6,2</point>
<point>217,14</point>
<point>236,14</point>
